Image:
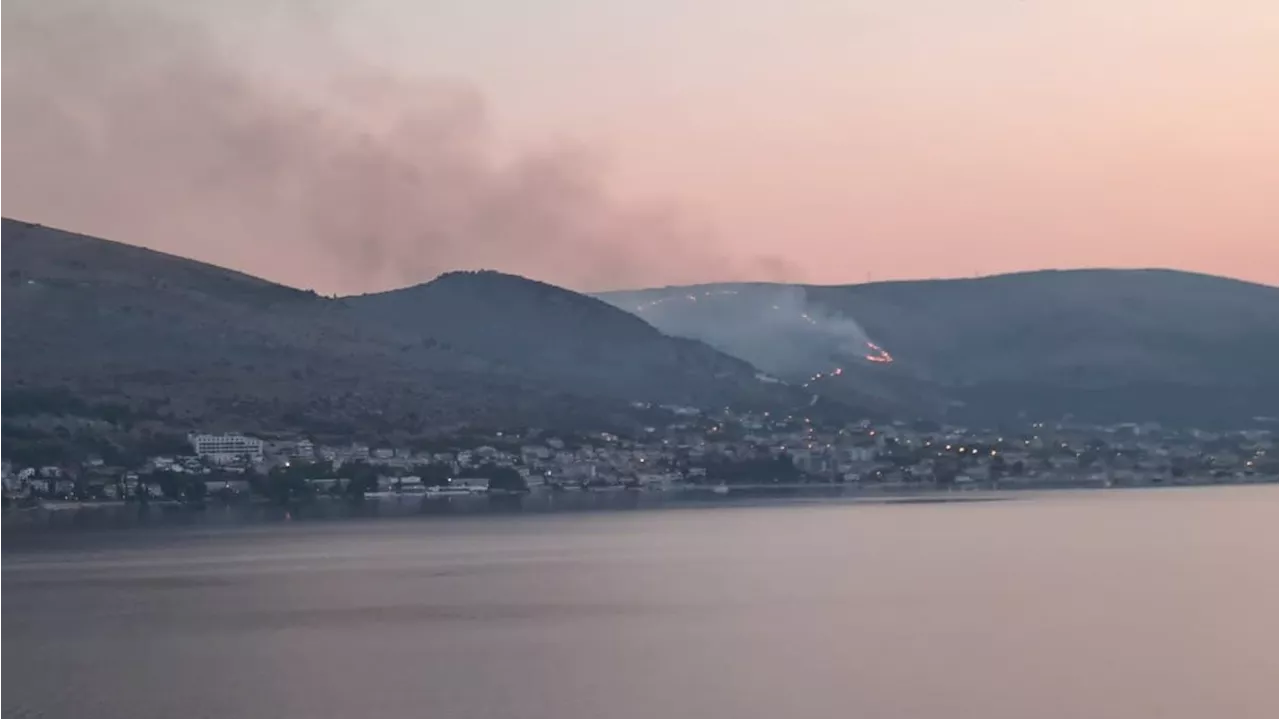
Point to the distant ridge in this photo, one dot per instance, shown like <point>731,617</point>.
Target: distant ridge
<point>1036,273</point>
<point>189,344</point>
<point>1103,345</point>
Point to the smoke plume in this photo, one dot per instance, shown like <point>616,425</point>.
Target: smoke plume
<point>138,124</point>
<point>775,327</point>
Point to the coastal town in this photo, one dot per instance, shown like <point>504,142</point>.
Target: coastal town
<point>722,451</point>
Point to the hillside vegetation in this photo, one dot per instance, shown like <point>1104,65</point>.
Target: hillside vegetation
<point>1099,344</point>
<point>101,327</point>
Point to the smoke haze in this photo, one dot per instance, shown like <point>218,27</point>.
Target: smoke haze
<point>138,124</point>
<point>775,327</point>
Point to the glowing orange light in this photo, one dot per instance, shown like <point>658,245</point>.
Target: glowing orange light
<point>881,355</point>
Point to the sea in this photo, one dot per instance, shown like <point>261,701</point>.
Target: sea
<point>1089,604</point>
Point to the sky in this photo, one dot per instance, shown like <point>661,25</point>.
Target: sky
<point>353,147</point>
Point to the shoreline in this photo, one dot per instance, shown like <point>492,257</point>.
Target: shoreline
<point>544,500</point>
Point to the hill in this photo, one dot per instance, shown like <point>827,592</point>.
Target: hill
<point>98,328</point>
<point>563,338</point>
<point>1102,345</point>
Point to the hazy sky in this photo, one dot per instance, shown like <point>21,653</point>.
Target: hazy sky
<point>601,144</point>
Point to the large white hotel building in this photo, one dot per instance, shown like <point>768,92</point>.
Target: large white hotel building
<point>226,448</point>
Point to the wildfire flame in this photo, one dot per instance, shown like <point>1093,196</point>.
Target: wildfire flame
<point>877,355</point>
<point>881,355</point>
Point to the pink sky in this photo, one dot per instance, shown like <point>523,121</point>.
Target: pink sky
<point>797,140</point>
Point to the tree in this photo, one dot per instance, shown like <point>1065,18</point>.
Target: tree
<point>944,475</point>
<point>291,488</point>
<point>170,483</point>
<point>507,479</point>
<point>361,477</point>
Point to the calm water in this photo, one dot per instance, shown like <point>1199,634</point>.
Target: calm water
<point>1154,603</point>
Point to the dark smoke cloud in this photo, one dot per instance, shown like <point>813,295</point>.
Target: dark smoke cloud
<point>137,124</point>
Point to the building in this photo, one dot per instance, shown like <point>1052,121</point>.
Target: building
<point>472,484</point>
<point>227,448</point>
<point>411,485</point>
<point>305,450</point>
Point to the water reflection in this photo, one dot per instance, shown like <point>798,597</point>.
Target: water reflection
<point>1073,604</point>
<point>121,515</point>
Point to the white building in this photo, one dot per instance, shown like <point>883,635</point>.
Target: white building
<point>411,485</point>
<point>227,448</point>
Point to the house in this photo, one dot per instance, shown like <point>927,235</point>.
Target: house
<point>352,453</point>
<point>654,480</point>
<point>328,485</point>
<point>474,484</point>
<point>411,484</point>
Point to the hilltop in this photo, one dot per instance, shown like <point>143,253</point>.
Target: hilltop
<point>98,327</point>
<point>1104,345</point>
<point>562,337</point>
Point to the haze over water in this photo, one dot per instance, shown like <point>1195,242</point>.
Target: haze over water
<point>1147,603</point>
